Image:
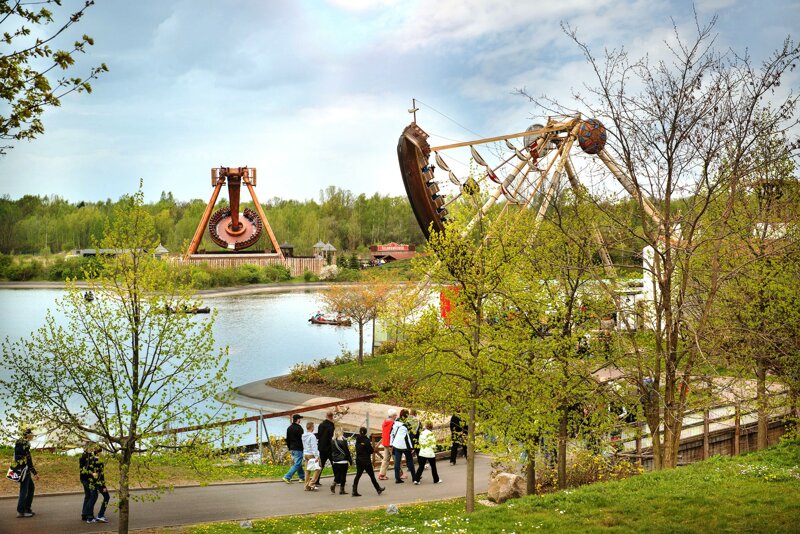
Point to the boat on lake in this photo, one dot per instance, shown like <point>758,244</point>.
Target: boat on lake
<point>338,321</point>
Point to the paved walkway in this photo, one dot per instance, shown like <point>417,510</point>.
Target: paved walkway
<point>60,513</point>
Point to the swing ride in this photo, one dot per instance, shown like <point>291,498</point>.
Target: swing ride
<point>528,175</point>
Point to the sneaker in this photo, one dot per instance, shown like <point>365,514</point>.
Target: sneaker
<point>91,520</point>
<point>286,480</point>
<point>28,514</point>
<point>20,514</point>
<point>400,481</point>
<point>381,490</point>
<point>101,519</point>
<point>438,481</point>
<point>416,482</point>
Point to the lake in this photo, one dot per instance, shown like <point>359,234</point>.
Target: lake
<point>266,333</point>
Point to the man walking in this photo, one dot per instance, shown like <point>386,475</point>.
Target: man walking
<point>324,440</point>
<point>23,463</point>
<point>294,441</point>
<point>386,441</point>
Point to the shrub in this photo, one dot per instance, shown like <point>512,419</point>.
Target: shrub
<point>303,373</point>
<point>387,347</point>
<point>309,276</point>
<point>201,279</point>
<point>348,275</point>
<point>329,272</point>
<point>23,270</point>
<point>276,273</point>
<point>249,274</point>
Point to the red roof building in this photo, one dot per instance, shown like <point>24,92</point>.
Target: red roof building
<point>392,251</point>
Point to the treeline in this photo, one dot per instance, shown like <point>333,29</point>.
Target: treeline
<point>51,224</point>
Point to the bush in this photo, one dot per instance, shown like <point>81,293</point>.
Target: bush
<point>309,276</point>
<point>24,270</point>
<point>276,273</point>
<point>387,347</point>
<point>303,373</point>
<point>249,274</point>
<point>72,268</point>
<point>201,279</point>
<point>348,275</point>
<point>329,272</point>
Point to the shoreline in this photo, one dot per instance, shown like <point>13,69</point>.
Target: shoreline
<point>211,292</point>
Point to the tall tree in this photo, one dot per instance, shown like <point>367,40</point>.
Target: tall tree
<point>360,302</point>
<point>27,82</point>
<point>684,130</point>
<point>120,369</point>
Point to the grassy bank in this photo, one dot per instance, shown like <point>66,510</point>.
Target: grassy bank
<point>757,492</point>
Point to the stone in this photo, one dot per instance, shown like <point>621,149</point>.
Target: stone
<point>392,509</point>
<point>505,486</point>
<point>246,524</point>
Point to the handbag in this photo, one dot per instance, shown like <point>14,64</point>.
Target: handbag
<point>312,465</point>
<point>17,476</point>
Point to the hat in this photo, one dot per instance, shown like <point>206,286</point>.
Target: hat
<point>296,417</point>
<point>392,412</point>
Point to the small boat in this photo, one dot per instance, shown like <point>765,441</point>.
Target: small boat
<point>204,309</point>
<point>88,296</point>
<point>339,321</point>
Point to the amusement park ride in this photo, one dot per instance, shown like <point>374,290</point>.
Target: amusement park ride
<point>529,176</point>
<point>227,227</point>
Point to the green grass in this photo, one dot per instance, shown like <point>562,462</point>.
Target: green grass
<point>758,492</point>
<point>374,371</point>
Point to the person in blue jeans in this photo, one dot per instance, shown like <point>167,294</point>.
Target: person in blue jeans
<point>89,493</point>
<point>24,463</point>
<point>401,445</point>
<point>294,441</point>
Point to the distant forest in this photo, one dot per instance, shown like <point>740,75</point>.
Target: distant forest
<point>50,224</point>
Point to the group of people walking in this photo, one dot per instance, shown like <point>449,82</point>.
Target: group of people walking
<point>92,476</point>
<point>403,437</point>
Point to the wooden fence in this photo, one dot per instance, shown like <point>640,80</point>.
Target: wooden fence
<point>296,265</point>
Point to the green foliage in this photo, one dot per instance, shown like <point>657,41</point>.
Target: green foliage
<point>81,224</point>
<point>309,276</point>
<point>348,275</point>
<point>27,86</point>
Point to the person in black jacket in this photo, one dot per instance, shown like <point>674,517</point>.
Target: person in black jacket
<point>89,494</point>
<point>294,441</point>
<point>324,438</point>
<point>98,484</point>
<point>341,460</point>
<point>24,462</point>
<point>364,452</point>
<point>458,434</point>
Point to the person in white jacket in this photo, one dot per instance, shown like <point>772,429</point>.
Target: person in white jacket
<point>310,451</point>
<point>401,445</point>
<point>427,453</point>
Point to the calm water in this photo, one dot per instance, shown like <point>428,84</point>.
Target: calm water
<point>266,333</point>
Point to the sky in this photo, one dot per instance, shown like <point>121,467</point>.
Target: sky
<point>316,93</point>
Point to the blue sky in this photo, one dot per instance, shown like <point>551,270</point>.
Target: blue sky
<point>316,93</point>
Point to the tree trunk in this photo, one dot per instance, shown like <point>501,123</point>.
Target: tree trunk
<point>530,473</point>
<point>761,403</point>
<point>470,501</point>
<point>124,493</point>
<point>361,344</point>
<point>562,447</point>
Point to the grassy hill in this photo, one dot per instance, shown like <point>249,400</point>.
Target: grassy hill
<point>758,492</point>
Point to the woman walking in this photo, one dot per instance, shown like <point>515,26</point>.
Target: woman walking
<point>364,452</point>
<point>427,453</point>
<point>341,459</point>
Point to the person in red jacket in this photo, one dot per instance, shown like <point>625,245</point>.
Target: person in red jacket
<point>386,430</point>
